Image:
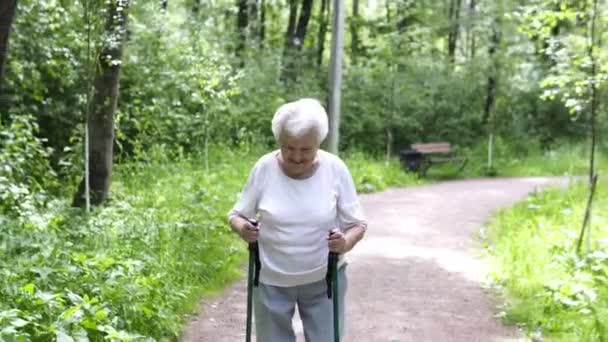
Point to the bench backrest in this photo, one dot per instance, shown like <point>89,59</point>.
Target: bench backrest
<point>440,147</point>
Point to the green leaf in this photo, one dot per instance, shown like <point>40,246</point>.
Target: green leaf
<point>19,323</point>
<point>63,337</point>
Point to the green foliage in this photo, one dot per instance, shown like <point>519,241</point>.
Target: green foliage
<point>571,57</point>
<point>548,288</point>
<point>48,68</point>
<point>374,174</point>
<point>176,86</point>
<point>417,102</point>
<point>528,158</point>
<point>25,174</point>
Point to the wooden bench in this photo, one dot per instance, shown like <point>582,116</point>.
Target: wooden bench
<point>420,157</point>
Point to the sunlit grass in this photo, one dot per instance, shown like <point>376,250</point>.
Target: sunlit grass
<point>548,288</point>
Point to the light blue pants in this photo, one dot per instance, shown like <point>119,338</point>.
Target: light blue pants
<point>274,308</point>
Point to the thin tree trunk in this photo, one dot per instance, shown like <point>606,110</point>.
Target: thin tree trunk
<point>471,31</point>
<point>296,33</point>
<point>492,75</point>
<point>593,118</point>
<point>354,23</point>
<point>302,27</point>
<point>587,217</point>
<point>242,20</point>
<point>324,20</point>
<point>454,28</point>
<point>387,5</point>
<point>254,24</point>
<point>262,23</point>
<point>7,14</point>
<point>291,24</point>
<point>196,7</point>
<point>287,72</point>
<point>488,113</point>
<point>103,106</point>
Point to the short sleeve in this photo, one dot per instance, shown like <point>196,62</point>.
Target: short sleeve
<point>247,203</point>
<point>350,212</point>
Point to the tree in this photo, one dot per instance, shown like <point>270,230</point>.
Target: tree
<point>262,32</point>
<point>488,110</point>
<point>354,33</point>
<point>454,16</point>
<point>7,13</point>
<point>324,13</point>
<point>471,29</point>
<point>294,37</point>
<point>242,21</point>
<point>101,109</point>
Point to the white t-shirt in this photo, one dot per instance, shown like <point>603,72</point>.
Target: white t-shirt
<point>296,216</point>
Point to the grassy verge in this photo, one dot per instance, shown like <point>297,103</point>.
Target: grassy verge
<point>133,268</point>
<point>548,289</point>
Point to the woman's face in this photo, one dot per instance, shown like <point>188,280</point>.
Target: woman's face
<point>299,153</point>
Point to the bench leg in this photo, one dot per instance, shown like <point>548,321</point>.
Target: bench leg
<point>424,166</point>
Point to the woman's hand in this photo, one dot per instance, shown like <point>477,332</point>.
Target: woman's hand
<point>249,232</point>
<point>342,242</point>
<point>337,242</point>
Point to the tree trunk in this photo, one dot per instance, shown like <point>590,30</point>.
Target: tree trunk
<point>492,74</point>
<point>471,31</point>
<point>294,40</point>
<point>593,115</point>
<point>103,106</point>
<point>242,20</point>
<point>302,27</point>
<point>323,22</point>
<point>454,28</point>
<point>291,25</point>
<point>7,14</point>
<point>488,113</point>
<point>262,23</point>
<point>196,7</point>
<point>354,33</point>
<point>253,27</point>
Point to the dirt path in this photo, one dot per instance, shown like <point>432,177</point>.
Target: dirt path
<point>416,275</point>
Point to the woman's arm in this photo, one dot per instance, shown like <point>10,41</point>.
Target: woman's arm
<point>341,242</point>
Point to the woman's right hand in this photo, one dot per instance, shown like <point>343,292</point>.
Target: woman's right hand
<point>249,232</point>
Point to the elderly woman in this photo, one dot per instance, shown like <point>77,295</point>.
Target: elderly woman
<point>307,205</point>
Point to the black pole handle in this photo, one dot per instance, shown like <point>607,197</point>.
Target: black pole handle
<point>254,249</point>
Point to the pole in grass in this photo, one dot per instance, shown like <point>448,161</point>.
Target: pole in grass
<point>253,279</point>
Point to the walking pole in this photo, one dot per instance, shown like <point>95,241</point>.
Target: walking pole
<point>331,280</point>
<point>336,295</point>
<point>252,279</point>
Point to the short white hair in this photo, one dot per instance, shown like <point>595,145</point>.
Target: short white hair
<point>300,117</point>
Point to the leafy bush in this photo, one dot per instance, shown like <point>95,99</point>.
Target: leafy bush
<point>25,174</point>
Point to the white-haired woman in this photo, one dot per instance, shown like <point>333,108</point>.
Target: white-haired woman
<point>306,203</point>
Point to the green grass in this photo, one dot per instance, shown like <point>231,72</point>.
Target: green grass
<point>547,287</point>
<point>135,267</point>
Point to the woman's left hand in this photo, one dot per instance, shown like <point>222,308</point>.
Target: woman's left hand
<point>337,242</point>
